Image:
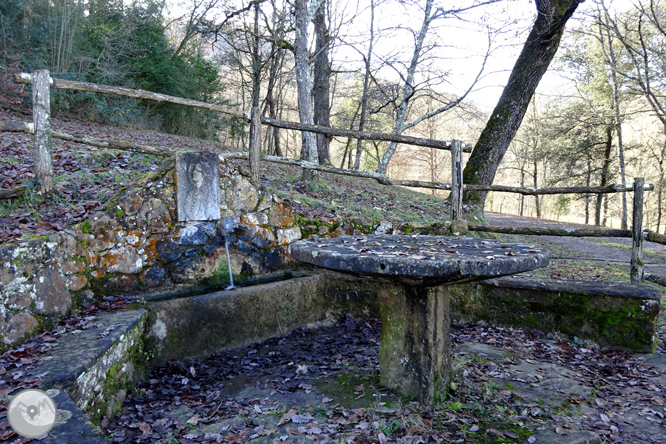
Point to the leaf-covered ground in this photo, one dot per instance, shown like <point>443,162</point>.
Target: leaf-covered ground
<point>87,177</point>
<point>321,385</point>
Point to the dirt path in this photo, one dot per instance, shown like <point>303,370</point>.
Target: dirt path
<point>598,249</point>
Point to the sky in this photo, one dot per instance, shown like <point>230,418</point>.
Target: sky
<point>460,43</point>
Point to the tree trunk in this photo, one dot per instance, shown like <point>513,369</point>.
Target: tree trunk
<point>588,181</point>
<point>618,125</point>
<point>534,59</point>
<point>322,84</point>
<point>659,207</point>
<point>637,270</point>
<point>660,184</point>
<point>366,86</point>
<point>605,176</point>
<point>303,84</point>
<point>348,148</point>
<point>537,205</point>
<point>43,148</point>
<point>255,125</point>
<point>522,185</point>
<point>271,103</point>
<point>407,89</point>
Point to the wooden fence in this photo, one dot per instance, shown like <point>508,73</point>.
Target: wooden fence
<point>42,81</point>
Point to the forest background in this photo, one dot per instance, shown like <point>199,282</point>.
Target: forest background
<point>413,67</point>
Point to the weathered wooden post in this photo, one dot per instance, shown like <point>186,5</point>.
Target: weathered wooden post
<point>41,114</point>
<point>255,144</point>
<point>456,189</point>
<point>637,233</point>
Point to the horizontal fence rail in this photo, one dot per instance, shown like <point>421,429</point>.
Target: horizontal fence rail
<point>638,187</point>
<point>615,188</point>
<point>567,232</point>
<point>18,127</point>
<point>73,85</point>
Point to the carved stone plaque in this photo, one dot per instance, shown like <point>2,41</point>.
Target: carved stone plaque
<point>198,186</point>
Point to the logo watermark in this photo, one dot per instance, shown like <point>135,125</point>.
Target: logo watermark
<point>32,413</point>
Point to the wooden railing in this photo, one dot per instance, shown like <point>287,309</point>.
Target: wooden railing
<point>41,96</point>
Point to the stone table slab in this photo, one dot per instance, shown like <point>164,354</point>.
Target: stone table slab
<point>420,260</point>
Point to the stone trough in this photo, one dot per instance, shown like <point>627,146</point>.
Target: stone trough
<point>195,326</point>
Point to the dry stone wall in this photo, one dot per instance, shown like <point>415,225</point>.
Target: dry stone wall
<point>37,279</point>
<point>137,245</point>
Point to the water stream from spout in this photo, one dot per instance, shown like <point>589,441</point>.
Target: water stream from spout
<point>231,285</point>
<point>226,227</point>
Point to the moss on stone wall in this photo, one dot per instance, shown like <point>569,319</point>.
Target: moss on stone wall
<point>112,384</point>
<point>624,323</point>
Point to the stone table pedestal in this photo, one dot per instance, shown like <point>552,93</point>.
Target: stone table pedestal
<point>414,271</point>
<point>415,344</point>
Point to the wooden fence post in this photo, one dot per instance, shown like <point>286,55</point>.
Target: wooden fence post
<point>637,233</point>
<point>456,182</point>
<point>41,114</point>
<point>255,144</point>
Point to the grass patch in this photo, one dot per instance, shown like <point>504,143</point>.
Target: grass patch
<point>353,388</point>
<point>584,271</point>
<point>345,197</point>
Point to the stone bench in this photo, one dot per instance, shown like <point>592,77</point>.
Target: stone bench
<point>613,315</point>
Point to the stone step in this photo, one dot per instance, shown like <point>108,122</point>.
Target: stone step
<point>88,372</point>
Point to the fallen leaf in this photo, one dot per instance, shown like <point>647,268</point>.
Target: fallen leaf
<point>287,417</point>
<point>495,432</point>
<point>301,419</point>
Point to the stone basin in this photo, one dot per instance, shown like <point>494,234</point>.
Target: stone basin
<point>414,273</point>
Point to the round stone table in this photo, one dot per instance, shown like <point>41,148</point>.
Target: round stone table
<point>414,273</point>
